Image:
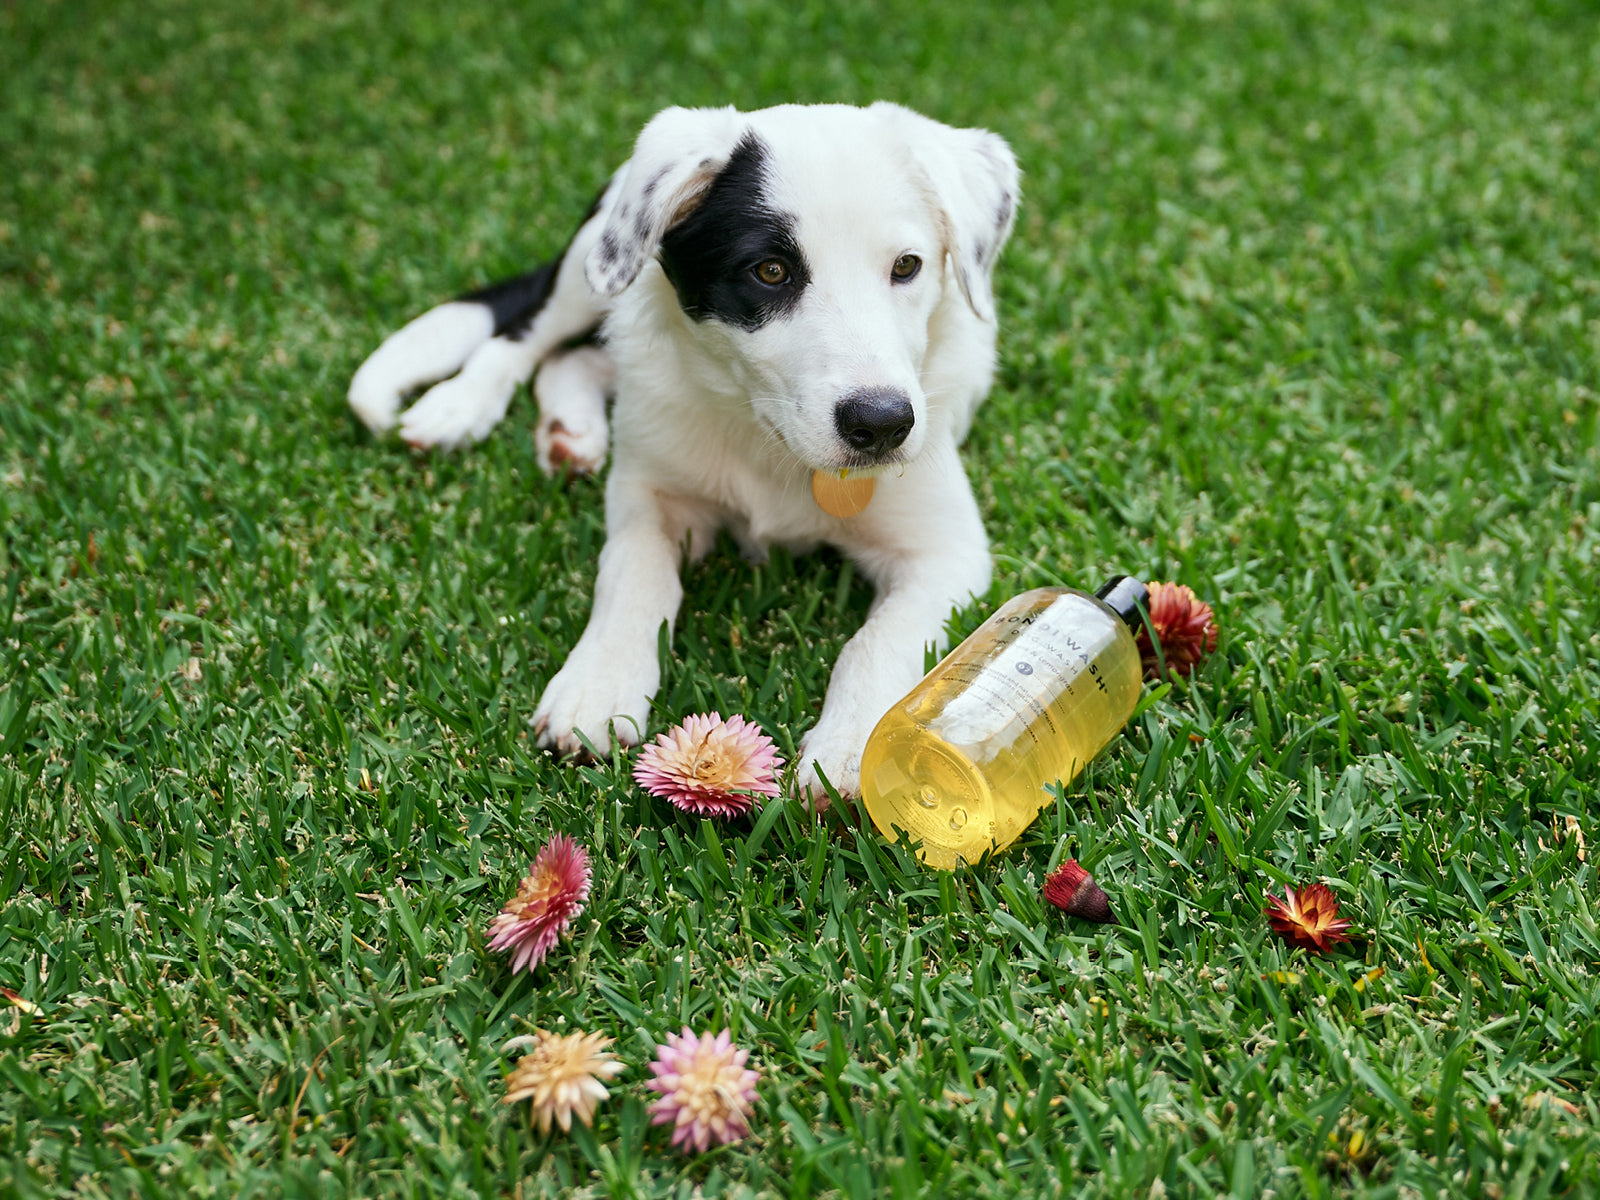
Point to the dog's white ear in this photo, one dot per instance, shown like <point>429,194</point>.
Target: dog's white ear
<point>677,156</point>
<point>974,179</point>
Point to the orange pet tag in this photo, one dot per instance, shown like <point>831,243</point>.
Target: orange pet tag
<point>840,495</point>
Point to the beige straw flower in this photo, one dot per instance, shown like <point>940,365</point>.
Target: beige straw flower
<point>562,1076</point>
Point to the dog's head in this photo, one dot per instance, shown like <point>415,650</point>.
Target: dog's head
<point>816,250</point>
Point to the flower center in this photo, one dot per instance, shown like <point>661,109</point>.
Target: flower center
<point>539,889</point>
<point>707,1093</point>
<point>711,764</point>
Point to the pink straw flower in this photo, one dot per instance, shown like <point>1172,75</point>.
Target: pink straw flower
<point>549,896</point>
<point>710,767</point>
<point>707,1093</point>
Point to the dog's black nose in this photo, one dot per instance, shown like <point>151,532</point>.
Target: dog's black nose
<point>874,420</point>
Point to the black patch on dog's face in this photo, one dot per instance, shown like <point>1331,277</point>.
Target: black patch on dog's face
<point>711,255</point>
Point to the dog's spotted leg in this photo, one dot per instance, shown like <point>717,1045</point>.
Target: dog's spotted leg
<point>605,686</point>
<point>571,389</point>
<point>494,338</point>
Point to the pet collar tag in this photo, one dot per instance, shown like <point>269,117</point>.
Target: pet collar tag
<point>839,494</point>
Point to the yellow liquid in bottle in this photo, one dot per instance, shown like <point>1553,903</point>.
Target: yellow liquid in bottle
<point>1037,691</point>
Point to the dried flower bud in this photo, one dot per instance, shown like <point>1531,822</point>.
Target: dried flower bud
<point>1073,890</point>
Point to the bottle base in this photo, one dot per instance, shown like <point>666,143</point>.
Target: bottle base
<point>913,780</point>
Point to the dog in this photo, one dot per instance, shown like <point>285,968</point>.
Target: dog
<point>762,296</point>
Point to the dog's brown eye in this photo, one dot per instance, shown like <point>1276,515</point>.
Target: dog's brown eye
<point>772,272</point>
<point>906,267</point>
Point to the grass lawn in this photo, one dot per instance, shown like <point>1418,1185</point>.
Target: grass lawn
<point>1303,309</point>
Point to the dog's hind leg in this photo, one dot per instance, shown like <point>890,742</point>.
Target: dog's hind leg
<point>571,389</point>
<point>465,407</point>
<point>563,309</point>
<point>491,340</point>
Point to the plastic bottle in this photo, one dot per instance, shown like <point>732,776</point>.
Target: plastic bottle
<point>1037,691</point>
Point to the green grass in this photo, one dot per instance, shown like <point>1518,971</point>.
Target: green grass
<point>1303,309</point>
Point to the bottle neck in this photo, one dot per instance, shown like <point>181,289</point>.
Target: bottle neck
<point>1125,596</point>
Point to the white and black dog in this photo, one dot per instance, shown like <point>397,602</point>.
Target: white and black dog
<point>775,293</point>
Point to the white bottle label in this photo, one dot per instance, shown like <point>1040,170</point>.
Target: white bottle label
<point>1041,657</point>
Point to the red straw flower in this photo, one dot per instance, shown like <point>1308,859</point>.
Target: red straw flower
<point>710,767</point>
<point>1308,918</point>
<point>1073,890</point>
<point>1184,626</point>
<point>549,896</point>
<point>707,1092</point>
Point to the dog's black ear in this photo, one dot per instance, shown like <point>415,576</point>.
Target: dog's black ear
<point>677,156</point>
<point>974,181</point>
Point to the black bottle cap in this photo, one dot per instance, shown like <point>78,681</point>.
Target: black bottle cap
<point>1125,596</point>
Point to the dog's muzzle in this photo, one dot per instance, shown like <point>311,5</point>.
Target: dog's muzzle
<point>874,421</point>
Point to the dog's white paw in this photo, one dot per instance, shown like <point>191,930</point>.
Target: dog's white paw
<point>375,402</point>
<point>432,347</point>
<point>597,695</point>
<point>834,753</point>
<point>572,451</point>
<point>456,412</point>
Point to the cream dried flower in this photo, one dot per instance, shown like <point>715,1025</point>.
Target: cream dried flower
<point>562,1077</point>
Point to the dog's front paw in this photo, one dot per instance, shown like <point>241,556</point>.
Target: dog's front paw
<point>592,698</point>
<point>835,754</point>
<point>456,412</point>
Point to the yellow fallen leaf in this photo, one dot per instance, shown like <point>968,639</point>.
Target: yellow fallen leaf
<point>1551,1100</point>
<point>1372,976</point>
<point>1424,954</point>
<point>27,1006</point>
